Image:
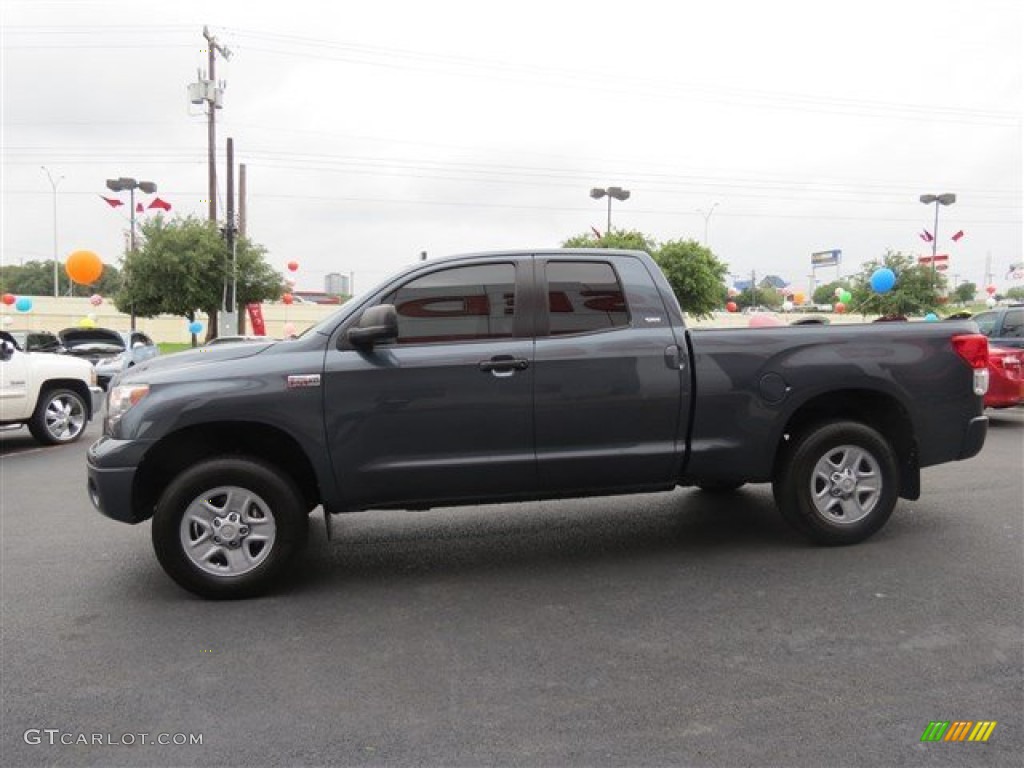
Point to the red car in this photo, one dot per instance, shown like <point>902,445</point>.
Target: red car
<point>1005,378</point>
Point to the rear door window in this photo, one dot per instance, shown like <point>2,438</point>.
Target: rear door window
<point>584,297</point>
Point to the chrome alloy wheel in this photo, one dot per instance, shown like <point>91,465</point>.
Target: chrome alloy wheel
<point>846,484</point>
<point>64,418</point>
<point>227,531</point>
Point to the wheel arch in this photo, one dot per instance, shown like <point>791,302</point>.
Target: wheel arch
<point>190,445</point>
<point>881,411</point>
<point>78,386</point>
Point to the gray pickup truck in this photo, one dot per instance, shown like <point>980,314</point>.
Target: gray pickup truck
<point>519,376</point>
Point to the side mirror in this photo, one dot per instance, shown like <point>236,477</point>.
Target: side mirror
<point>6,350</point>
<point>379,323</point>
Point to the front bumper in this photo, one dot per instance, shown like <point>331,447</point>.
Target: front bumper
<point>110,468</point>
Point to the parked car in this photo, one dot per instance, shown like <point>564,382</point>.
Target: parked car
<point>54,395</point>
<point>1004,326</point>
<point>110,352</point>
<point>1005,377</point>
<point>36,341</point>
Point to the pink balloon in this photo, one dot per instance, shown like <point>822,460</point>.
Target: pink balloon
<point>289,329</point>
<point>991,289</point>
<point>764,320</point>
<point>95,299</point>
<point>293,266</point>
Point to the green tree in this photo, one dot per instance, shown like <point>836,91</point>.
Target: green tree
<point>696,276</point>
<point>621,238</point>
<point>916,291</point>
<point>965,292</point>
<point>826,293</point>
<point>35,278</point>
<point>1016,293</point>
<point>180,269</point>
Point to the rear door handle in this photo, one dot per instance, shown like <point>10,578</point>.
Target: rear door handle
<point>503,365</point>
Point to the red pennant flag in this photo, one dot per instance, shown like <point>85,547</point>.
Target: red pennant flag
<point>163,205</point>
<point>957,236</point>
<point>139,208</point>
<point>113,202</point>
<point>926,236</point>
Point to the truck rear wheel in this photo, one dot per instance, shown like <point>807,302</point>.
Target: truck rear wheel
<point>839,483</point>
<point>60,417</point>
<point>227,527</point>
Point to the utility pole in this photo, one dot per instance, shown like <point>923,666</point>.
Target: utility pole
<point>207,90</point>
<point>242,203</point>
<point>228,316</point>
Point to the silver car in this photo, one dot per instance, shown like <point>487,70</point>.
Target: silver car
<point>109,351</point>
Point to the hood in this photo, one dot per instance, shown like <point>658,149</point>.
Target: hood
<point>74,337</point>
<point>197,358</point>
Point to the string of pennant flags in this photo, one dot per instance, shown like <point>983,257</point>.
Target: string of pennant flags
<point>156,202</point>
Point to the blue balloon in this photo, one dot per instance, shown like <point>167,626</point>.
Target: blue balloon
<point>23,304</point>
<point>931,317</point>
<point>195,327</point>
<point>882,280</point>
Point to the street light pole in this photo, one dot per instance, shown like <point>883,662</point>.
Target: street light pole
<point>947,198</point>
<point>120,185</point>
<point>707,218</point>
<point>53,186</point>
<point>617,192</point>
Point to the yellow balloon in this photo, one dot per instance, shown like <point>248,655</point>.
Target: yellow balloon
<point>86,322</point>
<point>84,267</point>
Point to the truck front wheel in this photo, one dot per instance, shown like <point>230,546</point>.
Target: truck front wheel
<point>839,483</point>
<point>227,527</point>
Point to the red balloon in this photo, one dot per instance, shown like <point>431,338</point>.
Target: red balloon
<point>991,289</point>
<point>731,306</point>
<point>287,298</point>
<point>9,298</point>
<point>840,307</point>
<point>293,266</point>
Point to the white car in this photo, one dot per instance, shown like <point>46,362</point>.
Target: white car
<point>55,395</point>
<point>109,351</point>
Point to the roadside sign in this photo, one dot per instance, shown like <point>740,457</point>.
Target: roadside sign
<point>826,258</point>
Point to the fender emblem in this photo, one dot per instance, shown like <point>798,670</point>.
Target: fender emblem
<point>300,381</point>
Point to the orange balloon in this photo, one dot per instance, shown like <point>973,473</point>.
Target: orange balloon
<point>84,267</point>
<point>839,307</point>
<point>798,298</point>
<point>287,298</point>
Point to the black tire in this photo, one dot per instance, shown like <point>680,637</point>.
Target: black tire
<point>839,483</point>
<point>268,530</point>
<point>60,417</point>
<point>720,486</point>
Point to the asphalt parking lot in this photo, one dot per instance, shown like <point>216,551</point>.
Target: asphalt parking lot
<point>674,629</point>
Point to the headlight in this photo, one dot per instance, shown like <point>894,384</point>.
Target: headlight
<point>120,400</point>
<point>109,361</point>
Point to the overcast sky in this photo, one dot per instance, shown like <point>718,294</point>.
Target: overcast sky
<point>372,131</point>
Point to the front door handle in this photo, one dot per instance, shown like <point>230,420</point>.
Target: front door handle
<point>503,365</point>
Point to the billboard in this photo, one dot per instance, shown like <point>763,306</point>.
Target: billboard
<point>826,258</point>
